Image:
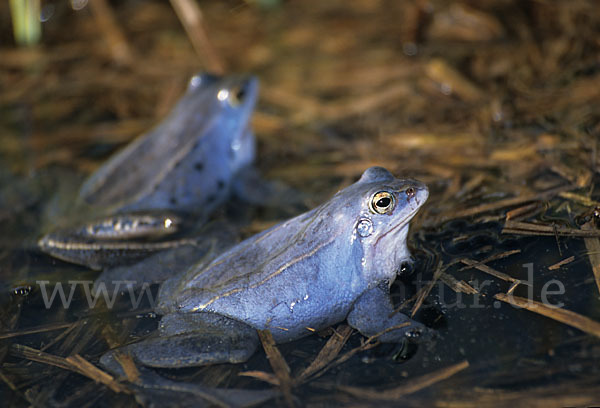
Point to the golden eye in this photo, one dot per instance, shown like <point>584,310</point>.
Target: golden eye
<point>382,202</point>
<point>236,96</point>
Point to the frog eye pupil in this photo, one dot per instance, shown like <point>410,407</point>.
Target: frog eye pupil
<point>383,202</point>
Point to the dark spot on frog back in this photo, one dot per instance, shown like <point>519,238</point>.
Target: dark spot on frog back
<point>199,166</point>
<point>220,184</point>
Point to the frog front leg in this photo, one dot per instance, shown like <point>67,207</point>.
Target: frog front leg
<point>373,313</point>
<point>191,339</point>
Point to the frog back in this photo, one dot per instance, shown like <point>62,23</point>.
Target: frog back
<point>197,183</point>
<point>137,170</point>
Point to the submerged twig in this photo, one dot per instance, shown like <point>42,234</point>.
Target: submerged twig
<point>425,290</point>
<point>86,368</point>
<point>327,354</point>
<point>491,258</point>
<point>457,285</point>
<point>560,315</point>
<point>278,364</point>
<point>262,376</point>
<point>523,212</point>
<point>39,329</point>
<point>128,365</point>
<point>561,263</point>
<point>487,269</point>
<point>527,228</point>
<point>74,363</point>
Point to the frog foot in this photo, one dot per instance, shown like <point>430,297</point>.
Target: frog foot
<point>419,334</point>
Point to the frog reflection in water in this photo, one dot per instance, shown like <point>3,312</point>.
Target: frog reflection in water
<point>187,164</point>
<point>332,263</point>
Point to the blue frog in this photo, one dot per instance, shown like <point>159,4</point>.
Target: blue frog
<point>333,263</point>
<point>166,182</point>
<point>189,160</point>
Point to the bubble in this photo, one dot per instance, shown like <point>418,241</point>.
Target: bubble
<point>364,227</point>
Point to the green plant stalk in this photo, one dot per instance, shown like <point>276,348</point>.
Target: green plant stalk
<point>25,15</point>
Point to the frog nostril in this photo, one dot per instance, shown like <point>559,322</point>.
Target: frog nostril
<point>410,192</point>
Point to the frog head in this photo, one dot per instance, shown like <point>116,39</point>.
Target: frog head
<point>231,100</point>
<point>385,208</point>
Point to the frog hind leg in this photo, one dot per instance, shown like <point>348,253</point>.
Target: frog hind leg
<point>188,340</point>
<point>373,313</point>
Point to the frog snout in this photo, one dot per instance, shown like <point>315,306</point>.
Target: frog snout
<point>416,195</point>
<point>421,195</point>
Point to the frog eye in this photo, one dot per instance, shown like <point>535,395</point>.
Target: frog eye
<point>237,95</point>
<point>382,202</point>
<point>234,96</point>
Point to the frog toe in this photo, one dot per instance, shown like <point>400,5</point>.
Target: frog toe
<point>415,333</point>
<point>109,362</point>
<point>420,334</point>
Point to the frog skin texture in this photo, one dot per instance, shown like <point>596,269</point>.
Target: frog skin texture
<point>333,263</point>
